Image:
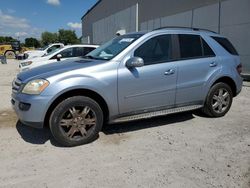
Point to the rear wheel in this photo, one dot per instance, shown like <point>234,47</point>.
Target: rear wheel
<point>76,121</point>
<point>219,100</point>
<point>10,55</point>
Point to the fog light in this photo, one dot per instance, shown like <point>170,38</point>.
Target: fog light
<point>24,106</point>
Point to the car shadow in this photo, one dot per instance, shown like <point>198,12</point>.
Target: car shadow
<point>41,136</point>
<point>38,136</point>
<point>35,136</point>
<point>147,123</point>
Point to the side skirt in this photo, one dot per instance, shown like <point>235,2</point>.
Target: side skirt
<point>155,114</point>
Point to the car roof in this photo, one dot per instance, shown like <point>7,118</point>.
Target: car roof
<point>55,44</point>
<point>178,30</point>
<point>81,45</point>
<point>186,30</point>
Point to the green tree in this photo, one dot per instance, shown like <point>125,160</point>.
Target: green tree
<point>48,38</point>
<point>32,42</point>
<point>6,39</point>
<point>67,36</point>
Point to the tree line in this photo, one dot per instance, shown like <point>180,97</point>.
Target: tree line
<point>62,36</point>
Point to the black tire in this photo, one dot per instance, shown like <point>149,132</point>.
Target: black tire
<point>10,54</point>
<point>76,121</point>
<point>219,109</point>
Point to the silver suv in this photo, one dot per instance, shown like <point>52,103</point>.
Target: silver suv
<point>134,76</point>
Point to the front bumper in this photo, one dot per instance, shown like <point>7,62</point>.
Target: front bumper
<point>30,109</point>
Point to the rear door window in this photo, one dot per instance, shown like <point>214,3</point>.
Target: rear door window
<point>226,44</point>
<point>194,46</point>
<point>78,51</point>
<point>190,46</point>
<point>207,51</point>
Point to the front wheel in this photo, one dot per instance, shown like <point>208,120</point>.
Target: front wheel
<point>76,121</point>
<point>10,55</point>
<point>219,100</point>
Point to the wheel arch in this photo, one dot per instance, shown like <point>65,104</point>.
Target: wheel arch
<point>9,50</point>
<point>229,81</point>
<point>78,92</point>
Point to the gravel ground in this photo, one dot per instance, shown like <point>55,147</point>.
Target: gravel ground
<point>182,150</point>
<point>7,75</point>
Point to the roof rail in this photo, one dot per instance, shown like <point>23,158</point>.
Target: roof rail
<point>180,27</point>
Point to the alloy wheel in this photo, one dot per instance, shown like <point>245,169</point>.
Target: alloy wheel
<point>78,122</point>
<point>221,100</point>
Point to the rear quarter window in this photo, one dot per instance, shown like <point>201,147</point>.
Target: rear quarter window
<point>226,44</point>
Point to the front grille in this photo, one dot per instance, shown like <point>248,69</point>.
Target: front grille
<point>16,85</point>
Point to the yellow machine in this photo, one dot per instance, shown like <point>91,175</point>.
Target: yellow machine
<point>10,50</point>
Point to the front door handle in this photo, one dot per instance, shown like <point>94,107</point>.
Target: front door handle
<point>169,72</point>
<point>213,64</point>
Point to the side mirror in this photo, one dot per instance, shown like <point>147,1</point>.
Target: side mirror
<point>134,62</point>
<point>58,57</point>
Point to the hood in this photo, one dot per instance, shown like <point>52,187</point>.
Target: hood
<point>53,69</point>
<point>39,58</point>
<point>33,51</point>
<point>35,59</point>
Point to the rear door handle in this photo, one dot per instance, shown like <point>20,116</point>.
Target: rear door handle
<point>213,64</point>
<point>169,72</point>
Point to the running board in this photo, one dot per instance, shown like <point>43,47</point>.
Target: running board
<point>156,113</point>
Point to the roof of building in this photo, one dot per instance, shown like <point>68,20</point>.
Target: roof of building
<point>91,8</point>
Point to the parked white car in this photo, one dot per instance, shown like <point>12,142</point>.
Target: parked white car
<point>68,52</point>
<point>46,50</point>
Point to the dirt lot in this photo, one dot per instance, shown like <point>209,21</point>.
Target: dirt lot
<point>183,150</point>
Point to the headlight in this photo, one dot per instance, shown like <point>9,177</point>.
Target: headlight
<point>35,87</point>
<point>26,63</point>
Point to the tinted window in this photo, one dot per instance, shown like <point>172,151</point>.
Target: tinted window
<point>87,50</point>
<point>79,51</point>
<point>115,46</point>
<point>67,53</point>
<point>155,50</point>
<point>53,48</point>
<point>207,50</point>
<point>226,44</point>
<point>82,51</point>
<point>190,46</point>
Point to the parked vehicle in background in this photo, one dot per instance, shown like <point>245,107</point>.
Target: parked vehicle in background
<point>3,59</point>
<point>10,50</point>
<point>43,51</point>
<point>67,52</point>
<point>131,77</point>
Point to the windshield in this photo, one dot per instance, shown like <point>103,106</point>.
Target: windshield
<point>112,48</point>
<point>44,48</point>
<point>53,51</point>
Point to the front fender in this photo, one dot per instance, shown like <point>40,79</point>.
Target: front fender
<point>105,89</point>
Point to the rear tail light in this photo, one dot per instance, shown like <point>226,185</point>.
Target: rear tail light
<point>239,68</point>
